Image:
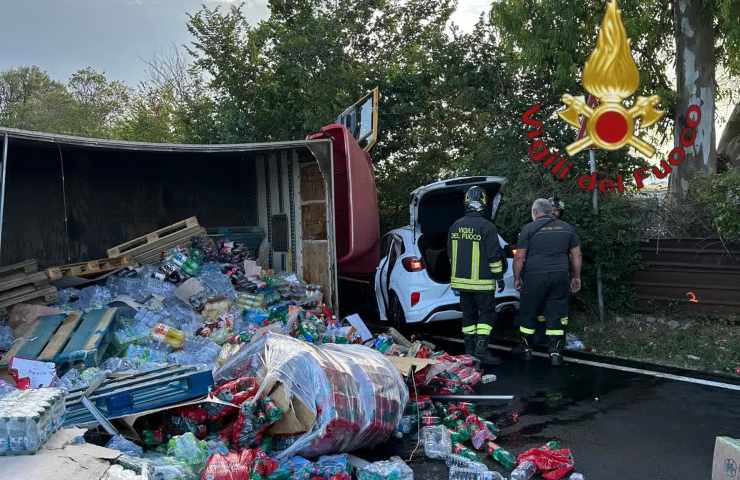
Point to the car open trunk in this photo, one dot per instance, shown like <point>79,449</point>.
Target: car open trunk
<point>435,207</point>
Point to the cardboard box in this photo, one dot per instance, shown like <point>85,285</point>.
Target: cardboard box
<point>726,464</point>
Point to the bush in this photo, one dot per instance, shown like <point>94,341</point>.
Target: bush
<point>719,196</point>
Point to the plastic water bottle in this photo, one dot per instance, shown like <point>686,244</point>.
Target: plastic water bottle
<point>17,434</point>
<point>576,476</point>
<point>32,437</point>
<point>455,460</point>
<point>524,471</point>
<point>4,440</point>
<point>437,442</point>
<point>457,473</point>
<point>488,378</point>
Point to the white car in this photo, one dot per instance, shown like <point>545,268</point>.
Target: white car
<point>412,280</point>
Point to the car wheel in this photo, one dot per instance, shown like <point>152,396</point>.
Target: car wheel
<point>396,317</point>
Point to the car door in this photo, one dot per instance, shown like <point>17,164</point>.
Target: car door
<point>391,248</point>
<point>381,275</point>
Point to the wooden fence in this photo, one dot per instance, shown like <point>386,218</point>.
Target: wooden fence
<point>701,272</point>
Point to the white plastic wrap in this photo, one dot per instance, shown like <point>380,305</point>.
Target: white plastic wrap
<point>356,395</point>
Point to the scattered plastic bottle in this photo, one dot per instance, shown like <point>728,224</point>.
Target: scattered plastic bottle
<point>393,469</point>
<point>94,297</point>
<point>553,444</point>
<point>458,473</point>
<point>576,476</point>
<point>450,419</point>
<point>437,442</point>
<point>171,336</point>
<point>489,378</point>
<point>524,471</point>
<point>455,460</point>
<point>191,266</point>
<point>407,424</point>
<point>465,452</point>
<point>188,449</point>
<point>460,434</point>
<point>504,457</point>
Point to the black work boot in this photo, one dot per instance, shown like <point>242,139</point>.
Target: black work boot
<point>469,344</point>
<point>481,351</point>
<point>556,347</point>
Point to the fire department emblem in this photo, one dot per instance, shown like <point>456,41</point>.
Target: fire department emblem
<point>611,75</point>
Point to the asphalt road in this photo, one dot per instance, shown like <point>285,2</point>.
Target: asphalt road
<point>619,425</point>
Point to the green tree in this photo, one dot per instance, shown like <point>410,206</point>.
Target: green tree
<point>29,99</point>
<point>149,117</point>
<point>98,103</point>
<point>173,105</point>
<point>88,105</point>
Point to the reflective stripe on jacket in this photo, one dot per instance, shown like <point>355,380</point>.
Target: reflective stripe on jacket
<point>475,254</point>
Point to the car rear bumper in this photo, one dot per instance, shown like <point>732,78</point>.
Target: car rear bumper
<point>454,312</point>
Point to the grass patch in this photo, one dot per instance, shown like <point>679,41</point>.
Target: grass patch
<point>708,343</point>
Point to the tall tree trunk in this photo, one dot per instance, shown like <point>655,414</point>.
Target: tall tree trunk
<point>728,150</point>
<point>695,64</point>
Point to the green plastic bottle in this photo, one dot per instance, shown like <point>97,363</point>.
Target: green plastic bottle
<point>463,451</point>
<point>492,427</point>
<point>553,444</point>
<point>504,457</point>
<point>451,419</point>
<point>459,435</point>
<point>191,267</point>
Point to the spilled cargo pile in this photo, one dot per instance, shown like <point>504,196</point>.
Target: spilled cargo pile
<point>205,365</point>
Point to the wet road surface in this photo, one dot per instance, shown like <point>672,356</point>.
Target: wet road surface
<point>619,425</point>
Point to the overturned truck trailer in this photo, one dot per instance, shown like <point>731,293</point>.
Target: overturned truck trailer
<point>68,199</point>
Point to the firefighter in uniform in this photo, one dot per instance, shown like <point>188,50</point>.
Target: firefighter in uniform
<point>477,264</point>
<point>546,267</point>
<point>557,207</point>
<point>557,211</point>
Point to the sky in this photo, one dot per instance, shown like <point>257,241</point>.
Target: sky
<point>117,36</point>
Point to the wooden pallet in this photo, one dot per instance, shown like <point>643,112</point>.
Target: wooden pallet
<point>23,273</point>
<point>46,294</point>
<point>147,248</point>
<point>159,253</point>
<point>22,282</point>
<point>66,339</point>
<point>91,268</point>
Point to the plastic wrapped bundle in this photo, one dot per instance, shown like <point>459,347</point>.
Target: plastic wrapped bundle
<point>338,398</point>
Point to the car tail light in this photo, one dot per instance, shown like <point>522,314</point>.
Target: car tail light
<point>511,251</point>
<point>415,297</point>
<point>413,264</point>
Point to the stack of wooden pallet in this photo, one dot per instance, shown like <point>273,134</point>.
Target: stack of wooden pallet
<point>151,247</point>
<point>23,282</point>
<point>92,269</point>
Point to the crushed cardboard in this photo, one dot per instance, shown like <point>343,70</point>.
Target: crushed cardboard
<point>79,462</point>
<point>298,418</point>
<point>405,364</point>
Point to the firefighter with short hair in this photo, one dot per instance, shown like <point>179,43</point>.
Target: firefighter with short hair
<point>547,266</point>
<point>477,265</point>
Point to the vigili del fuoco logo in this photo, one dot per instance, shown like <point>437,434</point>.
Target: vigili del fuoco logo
<point>610,76</point>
